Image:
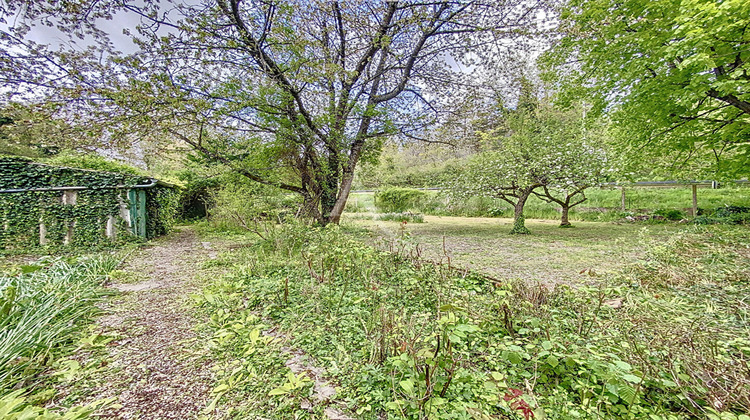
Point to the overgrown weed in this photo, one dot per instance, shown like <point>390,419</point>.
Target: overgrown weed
<point>406,338</point>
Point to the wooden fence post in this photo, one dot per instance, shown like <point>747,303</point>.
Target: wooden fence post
<point>695,200</point>
<point>622,199</point>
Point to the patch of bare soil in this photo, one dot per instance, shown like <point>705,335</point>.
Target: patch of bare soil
<point>158,368</point>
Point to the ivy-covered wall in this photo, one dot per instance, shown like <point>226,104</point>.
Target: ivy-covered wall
<point>81,217</point>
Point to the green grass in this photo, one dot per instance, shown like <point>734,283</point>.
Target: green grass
<point>550,255</point>
<point>663,335</point>
<point>603,204</point>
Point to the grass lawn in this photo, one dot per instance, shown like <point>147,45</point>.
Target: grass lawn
<point>602,204</point>
<point>550,254</point>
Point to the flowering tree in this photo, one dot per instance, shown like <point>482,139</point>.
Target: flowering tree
<point>536,150</point>
<point>573,162</point>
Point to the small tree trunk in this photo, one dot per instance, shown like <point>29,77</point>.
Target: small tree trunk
<point>564,222</point>
<point>519,223</point>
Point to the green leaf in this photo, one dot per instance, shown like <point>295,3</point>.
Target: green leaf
<point>282,390</point>
<point>514,357</point>
<point>626,392</point>
<point>631,378</point>
<point>553,361</point>
<point>408,386</point>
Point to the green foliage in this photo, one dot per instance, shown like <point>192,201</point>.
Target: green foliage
<point>14,406</point>
<point>197,196</point>
<point>402,217</point>
<point>162,204</point>
<point>670,214</point>
<point>244,205</point>
<point>43,306</point>
<point>519,227</point>
<point>94,163</point>
<point>409,339</point>
<point>408,166</point>
<point>671,73</point>
<point>396,199</point>
<point>22,212</point>
<point>730,215</point>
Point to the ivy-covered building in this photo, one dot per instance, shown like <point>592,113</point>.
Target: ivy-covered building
<point>50,205</point>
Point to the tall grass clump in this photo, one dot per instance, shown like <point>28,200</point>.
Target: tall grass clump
<point>41,310</point>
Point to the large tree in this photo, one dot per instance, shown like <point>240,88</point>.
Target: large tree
<point>290,94</point>
<point>673,74</point>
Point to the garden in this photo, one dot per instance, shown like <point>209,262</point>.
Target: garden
<point>476,210</point>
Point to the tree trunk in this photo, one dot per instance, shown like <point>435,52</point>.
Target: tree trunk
<point>519,223</point>
<point>330,184</point>
<point>564,222</point>
<point>310,209</point>
<point>338,209</point>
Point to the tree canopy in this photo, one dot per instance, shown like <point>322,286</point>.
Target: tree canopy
<point>673,74</point>
<point>290,94</point>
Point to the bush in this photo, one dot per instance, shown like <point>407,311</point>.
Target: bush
<point>727,215</point>
<point>670,214</point>
<point>731,211</point>
<point>397,200</point>
<point>251,207</point>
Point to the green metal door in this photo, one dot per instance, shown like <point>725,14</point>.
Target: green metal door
<point>137,200</point>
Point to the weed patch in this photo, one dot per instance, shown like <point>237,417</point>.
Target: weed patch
<point>404,338</point>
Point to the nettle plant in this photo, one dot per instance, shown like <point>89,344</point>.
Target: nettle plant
<point>24,213</point>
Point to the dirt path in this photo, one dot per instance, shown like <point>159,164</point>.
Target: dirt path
<point>157,368</point>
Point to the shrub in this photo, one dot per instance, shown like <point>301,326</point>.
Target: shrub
<point>727,215</point>
<point>251,207</point>
<point>670,214</point>
<point>397,200</point>
<point>731,211</point>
